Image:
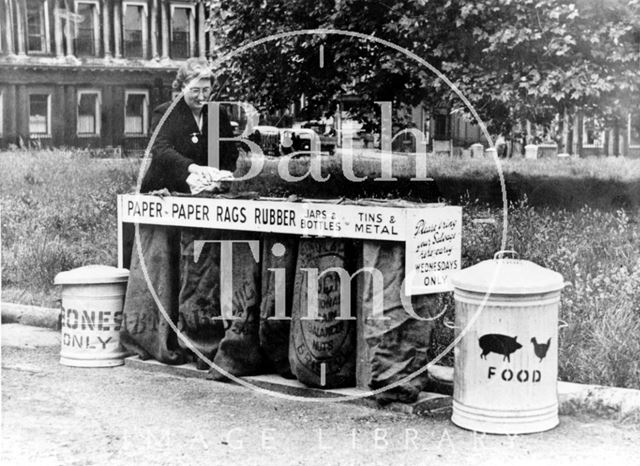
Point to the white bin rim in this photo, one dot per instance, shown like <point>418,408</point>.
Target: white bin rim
<point>507,276</point>
<point>92,274</point>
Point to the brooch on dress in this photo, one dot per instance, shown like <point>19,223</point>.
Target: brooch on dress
<point>194,137</point>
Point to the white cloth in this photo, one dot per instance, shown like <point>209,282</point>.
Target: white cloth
<point>198,182</point>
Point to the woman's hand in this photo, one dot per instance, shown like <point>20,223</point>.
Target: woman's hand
<point>209,174</point>
<point>203,178</point>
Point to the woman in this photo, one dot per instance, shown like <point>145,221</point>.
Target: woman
<point>180,149</point>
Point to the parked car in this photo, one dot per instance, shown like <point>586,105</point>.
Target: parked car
<point>296,140</point>
<point>327,134</point>
<point>268,138</point>
<point>282,141</point>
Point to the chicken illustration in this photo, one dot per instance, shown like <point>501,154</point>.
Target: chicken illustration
<point>540,348</point>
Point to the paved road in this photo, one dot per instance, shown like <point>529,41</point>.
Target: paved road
<point>60,415</point>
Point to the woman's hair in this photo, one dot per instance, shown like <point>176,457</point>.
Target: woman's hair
<point>191,69</point>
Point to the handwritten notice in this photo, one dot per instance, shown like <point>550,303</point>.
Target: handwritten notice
<point>433,249</point>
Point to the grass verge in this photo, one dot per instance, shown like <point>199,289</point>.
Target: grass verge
<point>59,212</point>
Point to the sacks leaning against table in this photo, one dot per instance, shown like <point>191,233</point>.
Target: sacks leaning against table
<point>278,267</point>
<point>188,280</point>
<point>185,270</point>
<point>145,331</point>
<point>398,343</point>
<point>188,284</point>
<point>187,273</point>
<point>322,350</point>
<point>251,343</point>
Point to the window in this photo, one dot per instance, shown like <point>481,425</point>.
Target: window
<point>39,114</point>
<point>592,133</point>
<point>440,127</point>
<point>135,29</point>
<point>1,114</point>
<point>136,112</point>
<point>182,26</point>
<point>634,130</point>
<point>88,113</point>
<point>87,31</point>
<point>37,26</point>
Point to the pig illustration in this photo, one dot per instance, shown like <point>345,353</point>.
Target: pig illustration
<point>499,344</point>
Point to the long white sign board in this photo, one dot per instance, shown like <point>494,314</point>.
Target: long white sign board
<point>429,257</point>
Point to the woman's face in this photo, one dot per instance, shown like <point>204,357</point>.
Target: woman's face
<point>197,93</point>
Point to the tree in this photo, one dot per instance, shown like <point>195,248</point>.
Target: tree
<point>540,58</point>
<point>278,72</point>
<point>514,60</point>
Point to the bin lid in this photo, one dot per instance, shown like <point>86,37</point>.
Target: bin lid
<point>508,276</point>
<point>92,274</point>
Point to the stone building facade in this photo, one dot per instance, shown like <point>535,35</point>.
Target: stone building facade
<point>87,73</point>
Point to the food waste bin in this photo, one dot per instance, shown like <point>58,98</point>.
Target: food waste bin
<point>506,362</point>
